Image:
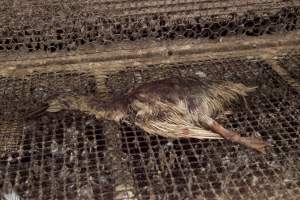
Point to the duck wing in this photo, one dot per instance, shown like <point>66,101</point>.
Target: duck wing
<point>164,111</point>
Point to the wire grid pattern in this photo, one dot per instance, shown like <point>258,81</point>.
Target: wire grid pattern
<point>22,95</point>
<point>63,26</point>
<point>193,169</point>
<point>291,62</point>
<point>60,160</point>
<point>65,155</point>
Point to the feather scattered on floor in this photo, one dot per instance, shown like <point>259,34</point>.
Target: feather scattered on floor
<point>8,193</point>
<point>11,196</point>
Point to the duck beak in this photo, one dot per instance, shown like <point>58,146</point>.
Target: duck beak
<point>37,113</point>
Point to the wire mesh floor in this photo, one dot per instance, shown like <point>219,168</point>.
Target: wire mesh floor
<point>291,62</point>
<point>69,155</point>
<point>85,24</point>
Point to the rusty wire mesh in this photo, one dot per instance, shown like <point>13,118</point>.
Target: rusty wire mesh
<point>52,26</point>
<point>70,155</point>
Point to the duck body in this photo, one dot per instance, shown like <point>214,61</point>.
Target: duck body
<point>180,107</point>
<point>177,107</point>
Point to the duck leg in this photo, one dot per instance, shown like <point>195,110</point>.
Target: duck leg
<point>252,142</point>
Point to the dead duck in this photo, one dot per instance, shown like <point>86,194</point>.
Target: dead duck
<point>177,107</point>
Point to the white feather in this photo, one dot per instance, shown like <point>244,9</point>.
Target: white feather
<point>11,196</point>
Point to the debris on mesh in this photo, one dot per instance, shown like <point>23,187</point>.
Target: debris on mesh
<point>68,155</point>
<point>61,157</point>
<point>108,22</point>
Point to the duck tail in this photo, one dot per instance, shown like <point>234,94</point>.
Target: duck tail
<point>221,94</point>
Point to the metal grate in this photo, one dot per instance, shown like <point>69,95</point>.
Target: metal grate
<point>70,155</point>
<point>51,26</point>
<point>291,62</point>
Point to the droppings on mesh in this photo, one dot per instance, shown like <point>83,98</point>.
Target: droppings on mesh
<point>61,156</point>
